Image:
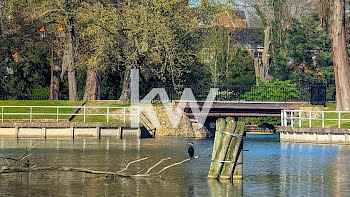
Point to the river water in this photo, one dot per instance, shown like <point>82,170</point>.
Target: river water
<point>271,168</point>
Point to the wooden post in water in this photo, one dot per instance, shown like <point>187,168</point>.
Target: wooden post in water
<point>227,157</point>
<point>234,152</point>
<point>238,169</point>
<point>221,143</point>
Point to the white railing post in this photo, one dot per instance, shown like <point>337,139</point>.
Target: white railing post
<point>31,110</point>
<point>300,114</point>
<point>84,114</point>
<point>124,113</point>
<point>285,118</point>
<point>339,119</point>
<point>57,114</point>
<point>107,114</point>
<point>291,118</point>
<point>2,114</point>
<point>282,118</point>
<point>322,119</point>
<point>310,119</point>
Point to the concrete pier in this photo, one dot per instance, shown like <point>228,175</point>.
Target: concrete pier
<point>316,135</point>
<point>68,130</point>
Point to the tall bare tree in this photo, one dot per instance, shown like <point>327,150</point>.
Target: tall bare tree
<point>340,54</point>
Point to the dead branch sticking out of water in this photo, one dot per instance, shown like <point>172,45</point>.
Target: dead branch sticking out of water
<point>9,169</point>
<point>131,163</point>
<point>155,165</point>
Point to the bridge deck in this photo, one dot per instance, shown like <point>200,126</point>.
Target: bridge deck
<point>224,109</point>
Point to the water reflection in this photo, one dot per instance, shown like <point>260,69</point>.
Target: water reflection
<point>271,168</point>
<point>225,188</point>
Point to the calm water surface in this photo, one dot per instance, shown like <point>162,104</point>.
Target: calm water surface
<point>271,168</point>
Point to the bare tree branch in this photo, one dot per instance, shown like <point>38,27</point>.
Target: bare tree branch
<point>175,164</point>
<point>20,158</point>
<point>131,163</point>
<point>157,164</point>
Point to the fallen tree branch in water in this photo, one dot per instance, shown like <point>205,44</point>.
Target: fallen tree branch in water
<point>52,168</point>
<point>96,172</point>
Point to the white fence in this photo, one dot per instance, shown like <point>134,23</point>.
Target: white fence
<point>122,114</point>
<point>302,118</point>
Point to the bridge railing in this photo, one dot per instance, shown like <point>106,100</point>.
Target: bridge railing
<point>315,119</point>
<point>286,93</point>
<point>71,113</point>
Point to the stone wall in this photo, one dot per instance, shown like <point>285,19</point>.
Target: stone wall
<point>187,128</point>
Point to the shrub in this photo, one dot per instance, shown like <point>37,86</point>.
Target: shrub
<point>275,91</point>
<point>270,120</point>
<point>40,93</point>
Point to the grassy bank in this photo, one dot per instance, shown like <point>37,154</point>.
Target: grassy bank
<point>78,118</point>
<point>38,103</point>
<point>327,115</point>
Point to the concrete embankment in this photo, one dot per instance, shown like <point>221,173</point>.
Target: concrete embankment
<point>187,128</point>
<point>316,135</point>
<point>68,130</point>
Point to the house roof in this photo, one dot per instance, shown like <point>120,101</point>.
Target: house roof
<point>232,18</point>
<point>248,36</point>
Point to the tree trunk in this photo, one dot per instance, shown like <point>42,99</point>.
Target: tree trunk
<point>257,66</point>
<point>56,85</point>
<point>228,54</point>
<point>72,83</point>
<point>264,69</point>
<point>261,64</point>
<point>93,86</point>
<point>340,55</point>
<point>126,92</point>
<point>69,64</point>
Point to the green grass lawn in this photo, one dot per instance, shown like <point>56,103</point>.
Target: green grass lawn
<point>26,109</point>
<point>38,103</point>
<point>114,113</point>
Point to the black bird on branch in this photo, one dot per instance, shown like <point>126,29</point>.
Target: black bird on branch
<point>190,150</point>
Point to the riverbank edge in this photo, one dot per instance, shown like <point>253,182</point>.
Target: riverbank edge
<point>316,135</point>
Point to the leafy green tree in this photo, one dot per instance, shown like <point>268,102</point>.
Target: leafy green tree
<point>24,57</point>
<point>241,69</point>
<point>309,50</point>
<point>98,24</point>
<point>53,14</point>
<point>29,73</point>
<point>157,40</point>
